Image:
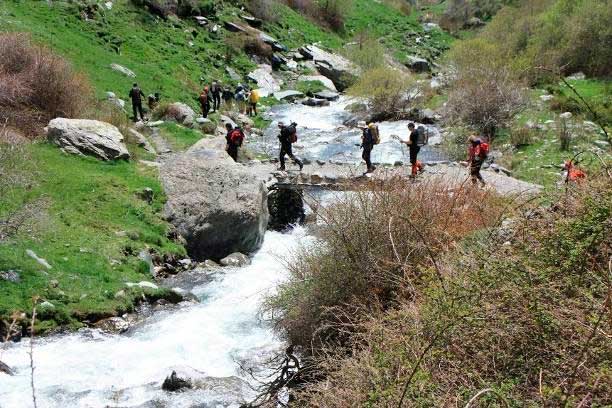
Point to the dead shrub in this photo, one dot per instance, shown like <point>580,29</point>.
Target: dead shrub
<point>524,312</point>
<point>37,85</point>
<point>377,246</point>
<point>250,43</point>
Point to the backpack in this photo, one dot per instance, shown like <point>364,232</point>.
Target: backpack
<point>203,98</point>
<point>483,150</point>
<point>289,133</point>
<point>254,97</point>
<point>374,133</point>
<point>237,137</point>
<point>422,136</point>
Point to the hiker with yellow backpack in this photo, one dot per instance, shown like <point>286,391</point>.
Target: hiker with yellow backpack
<point>370,137</point>
<point>253,101</point>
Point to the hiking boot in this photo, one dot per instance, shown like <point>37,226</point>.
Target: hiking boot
<point>301,165</point>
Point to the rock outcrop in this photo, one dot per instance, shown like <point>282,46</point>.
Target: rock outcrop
<point>264,79</point>
<point>217,205</point>
<point>87,137</point>
<point>340,70</point>
<point>180,113</point>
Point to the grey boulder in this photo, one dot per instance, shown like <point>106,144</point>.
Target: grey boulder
<point>236,259</point>
<point>217,205</point>
<point>123,70</point>
<point>339,69</point>
<point>288,96</point>
<point>180,113</point>
<point>328,95</point>
<point>417,64</point>
<point>87,137</point>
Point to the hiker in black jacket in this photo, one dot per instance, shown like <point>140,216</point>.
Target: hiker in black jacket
<point>287,136</point>
<point>367,144</point>
<point>136,96</point>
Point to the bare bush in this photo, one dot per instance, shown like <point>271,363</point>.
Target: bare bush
<point>266,10</point>
<point>376,246</point>
<point>249,43</point>
<point>388,91</point>
<point>485,97</point>
<point>36,85</point>
<point>330,13</point>
<point>524,312</point>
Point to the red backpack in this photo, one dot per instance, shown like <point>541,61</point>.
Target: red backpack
<point>483,150</point>
<point>237,137</point>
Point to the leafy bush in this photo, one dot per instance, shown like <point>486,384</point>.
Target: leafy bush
<point>37,85</point>
<point>521,136</point>
<point>367,51</point>
<point>265,10</point>
<point>520,318</point>
<point>387,90</point>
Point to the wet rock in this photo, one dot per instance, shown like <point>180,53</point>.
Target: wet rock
<point>288,96</point>
<point>10,276</point>
<point>417,64</point>
<point>174,383</point>
<point>217,205</point>
<point>38,259</point>
<point>209,263</point>
<point>286,207</point>
<point>236,259</point>
<point>315,102</point>
<point>123,70</point>
<point>4,368</point>
<point>328,95</point>
<point>87,137</point>
<point>113,325</point>
<point>234,27</point>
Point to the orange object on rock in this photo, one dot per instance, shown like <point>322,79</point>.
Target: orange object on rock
<point>574,173</point>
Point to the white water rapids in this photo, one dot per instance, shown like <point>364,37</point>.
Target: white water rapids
<point>91,369</point>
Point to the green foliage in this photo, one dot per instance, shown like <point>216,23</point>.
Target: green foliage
<point>367,52</point>
<point>178,136</point>
<point>310,87</point>
<point>386,90</point>
<point>90,229</point>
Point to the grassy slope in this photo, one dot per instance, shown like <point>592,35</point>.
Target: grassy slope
<point>92,230</point>
<point>534,162</point>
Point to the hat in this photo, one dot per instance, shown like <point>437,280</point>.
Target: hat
<point>411,125</point>
<point>361,124</point>
<point>281,124</point>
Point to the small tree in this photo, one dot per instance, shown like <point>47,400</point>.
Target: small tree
<point>485,98</point>
<point>388,92</point>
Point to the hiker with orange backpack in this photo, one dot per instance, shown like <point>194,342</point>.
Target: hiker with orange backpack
<point>416,140</point>
<point>477,154</point>
<point>288,136</point>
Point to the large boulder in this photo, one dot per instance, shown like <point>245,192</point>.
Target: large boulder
<point>180,113</point>
<point>417,64</point>
<point>264,79</point>
<point>288,95</point>
<point>87,137</point>
<point>217,205</point>
<point>342,72</point>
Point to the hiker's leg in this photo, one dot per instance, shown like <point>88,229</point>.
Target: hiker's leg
<point>140,111</point>
<point>135,111</point>
<point>413,161</point>
<point>282,157</point>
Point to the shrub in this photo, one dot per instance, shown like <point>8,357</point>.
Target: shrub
<point>485,97</point>
<point>522,313</point>
<point>249,43</point>
<point>330,13</point>
<point>266,10</point>
<point>181,8</point>
<point>376,246</point>
<point>367,51</point>
<point>388,91</point>
<point>36,85</point>
<point>521,136</point>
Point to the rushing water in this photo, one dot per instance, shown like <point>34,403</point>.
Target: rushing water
<point>91,369</point>
<point>323,136</point>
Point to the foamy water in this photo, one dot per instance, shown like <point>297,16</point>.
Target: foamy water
<point>91,369</point>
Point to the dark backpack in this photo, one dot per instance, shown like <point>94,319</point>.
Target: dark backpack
<point>203,98</point>
<point>289,133</point>
<point>422,136</point>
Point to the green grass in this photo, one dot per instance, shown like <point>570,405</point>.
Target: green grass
<point>91,231</point>
<point>180,137</point>
<point>157,51</point>
<point>310,87</point>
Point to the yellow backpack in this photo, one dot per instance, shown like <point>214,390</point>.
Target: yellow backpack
<point>254,98</point>
<point>375,133</point>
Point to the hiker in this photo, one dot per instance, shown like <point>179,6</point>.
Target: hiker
<point>215,90</point>
<point>477,154</point>
<point>288,136</point>
<point>234,139</point>
<point>204,102</point>
<point>367,144</point>
<point>153,101</point>
<point>228,97</point>
<point>253,100</point>
<point>415,141</point>
<point>240,96</point>
<point>136,96</point>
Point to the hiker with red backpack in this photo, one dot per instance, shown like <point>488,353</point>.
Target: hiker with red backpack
<point>204,102</point>
<point>288,136</point>
<point>477,154</point>
<point>234,139</point>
